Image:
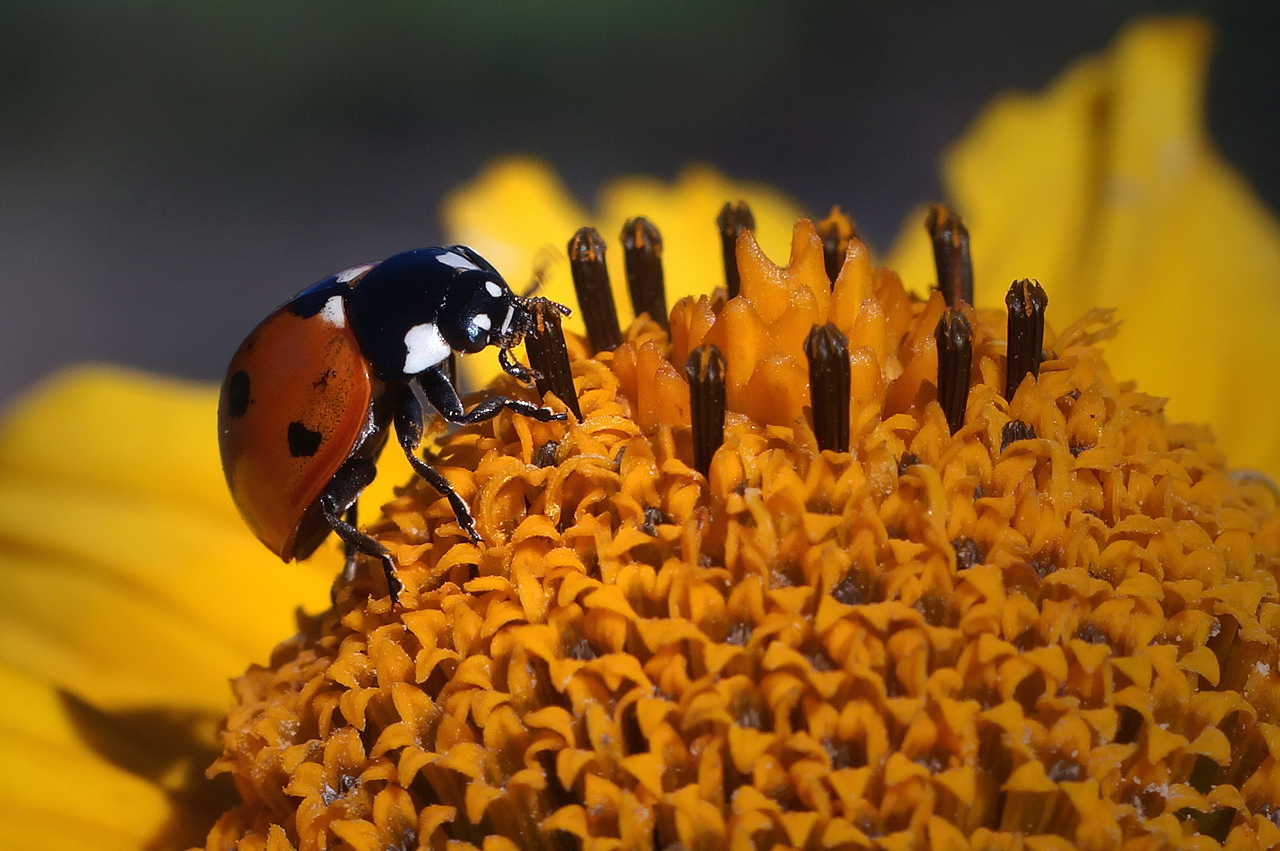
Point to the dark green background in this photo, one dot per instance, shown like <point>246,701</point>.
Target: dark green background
<point>169,172</point>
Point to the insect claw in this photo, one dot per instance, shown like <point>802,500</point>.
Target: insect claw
<point>515,369</point>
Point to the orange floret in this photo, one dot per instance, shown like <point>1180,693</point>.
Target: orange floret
<point>1055,628</point>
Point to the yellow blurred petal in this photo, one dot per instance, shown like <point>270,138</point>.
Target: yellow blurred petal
<point>58,793</point>
<point>110,429</point>
<point>520,217</point>
<point>126,576</point>
<point>1107,190</point>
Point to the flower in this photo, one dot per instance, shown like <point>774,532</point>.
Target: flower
<point>126,711</point>
<point>974,615</point>
<point>1105,188</point>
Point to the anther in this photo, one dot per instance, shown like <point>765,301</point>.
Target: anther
<point>595,295</point>
<point>705,369</point>
<point>836,230</point>
<point>1026,302</point>
<point>548,355</point>
<point>1016,430</point>
<point>828,352</point>
<point>951,255</point>
<point>642,251</point>
<point>955,360</point>
<point>733,220</point>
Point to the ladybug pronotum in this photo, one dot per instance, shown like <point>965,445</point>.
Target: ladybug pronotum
<point>311,394</point>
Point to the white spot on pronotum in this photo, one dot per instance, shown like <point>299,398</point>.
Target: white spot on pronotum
<point>494,289</point>
<point>457,261</point>
<point>482,321</point>
<point>506,323</point>
<point>348,275</point>
<point>424,348</point>
<point>333,313</point>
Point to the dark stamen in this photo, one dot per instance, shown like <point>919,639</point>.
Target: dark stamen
<point>955,360</point>
<point>549,357</point>
<point>705,370</point>
<point>836,230</point>
<point>1026,302</point>
<point>951,255</point>
<point>828,353</point>
<point>733,220</point>
<point>642,250</point>
<point>595,295</point>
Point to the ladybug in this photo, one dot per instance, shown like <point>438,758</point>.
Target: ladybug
<point>311,394</point>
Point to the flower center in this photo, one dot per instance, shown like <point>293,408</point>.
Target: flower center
<point>814,563</point>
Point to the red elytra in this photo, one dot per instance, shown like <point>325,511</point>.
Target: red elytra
<point>312,395</point>
<point>306,376</point>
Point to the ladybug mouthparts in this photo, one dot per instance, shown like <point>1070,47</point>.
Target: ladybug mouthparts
<point>525,317</point>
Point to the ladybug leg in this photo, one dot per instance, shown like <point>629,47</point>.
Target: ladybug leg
<point>349,552</point>
<point>408,420</point>
<point>452,364</point>
<point>339,498</point>
<point>444,398</point>
<point>515,369</point>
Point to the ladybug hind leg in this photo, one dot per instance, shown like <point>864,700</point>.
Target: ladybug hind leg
<point>339,499</point>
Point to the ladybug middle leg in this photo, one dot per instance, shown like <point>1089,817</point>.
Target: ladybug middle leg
<point>440,391</point>
<point>339,498</point>
<point>408,422</point>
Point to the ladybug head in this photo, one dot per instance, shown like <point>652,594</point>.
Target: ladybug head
<point>480,310</point>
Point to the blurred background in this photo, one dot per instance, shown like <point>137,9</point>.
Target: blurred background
<point>170,172</point>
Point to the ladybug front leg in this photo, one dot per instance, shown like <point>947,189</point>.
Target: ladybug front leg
<point>444,398</point>
<point>408,420</point>
<point>339,498</point>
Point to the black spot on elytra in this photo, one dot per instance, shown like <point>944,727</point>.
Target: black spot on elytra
<point>238,394</point>
<point>303,442</point>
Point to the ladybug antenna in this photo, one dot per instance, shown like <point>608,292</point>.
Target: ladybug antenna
<point>546,257</point>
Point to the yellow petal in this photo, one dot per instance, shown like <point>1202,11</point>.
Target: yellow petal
<point>520,216</point>
<point>1107,190</point>
<point>57,792</point>
<point>126,576</point>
